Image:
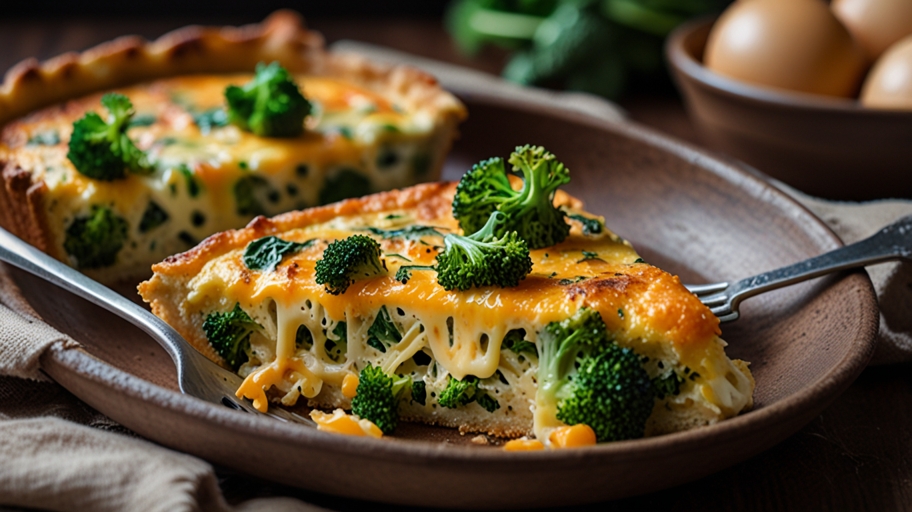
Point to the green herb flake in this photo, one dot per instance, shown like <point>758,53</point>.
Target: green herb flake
<point>407,233</point>
<point>589,255</point>
<point>45,138</point>
<point>589,226</point>
<point>193,186</point>
<point>396,255</point>
<point>141,120</point>
<point>206,120</point>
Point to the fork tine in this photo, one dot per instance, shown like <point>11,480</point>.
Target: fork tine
<point>705,289</point>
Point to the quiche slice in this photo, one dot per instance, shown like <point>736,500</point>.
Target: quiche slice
<point>303,342</point>
<point>370,128</point>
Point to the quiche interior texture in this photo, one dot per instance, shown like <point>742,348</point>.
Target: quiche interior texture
<point>211,176</point>
<point>308,340</point>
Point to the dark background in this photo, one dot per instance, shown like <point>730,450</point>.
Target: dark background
<point>221,9</point>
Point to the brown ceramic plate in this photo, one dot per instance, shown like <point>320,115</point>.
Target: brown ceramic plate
<point>828,147</point>
<point>686,211</point>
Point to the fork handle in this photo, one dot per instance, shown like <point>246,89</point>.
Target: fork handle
<point>22,255</point>
<point>893,242</point>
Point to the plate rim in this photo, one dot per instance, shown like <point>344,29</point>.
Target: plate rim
<point>85,366</point>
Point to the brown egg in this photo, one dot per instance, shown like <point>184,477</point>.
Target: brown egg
<point>790,44</point>
<point>875,24</point>
<point>889,84</point>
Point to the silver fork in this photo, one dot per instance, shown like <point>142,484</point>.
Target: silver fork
<point>893,242</point>
<point>196,375</point>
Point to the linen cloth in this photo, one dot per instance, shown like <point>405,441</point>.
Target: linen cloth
<point>59,454</point>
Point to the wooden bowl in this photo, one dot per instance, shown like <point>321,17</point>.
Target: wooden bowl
<point>827,147</point>
<point>686,211</point>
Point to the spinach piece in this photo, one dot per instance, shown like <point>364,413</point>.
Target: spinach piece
<point>153,217</point>
<point>383,332</point>
<point>267,252</point>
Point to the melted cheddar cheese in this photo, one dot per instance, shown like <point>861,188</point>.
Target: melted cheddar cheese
<point>455,334</point>
<point>356,142</point>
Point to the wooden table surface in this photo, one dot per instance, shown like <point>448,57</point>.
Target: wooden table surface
<point>857,455</point>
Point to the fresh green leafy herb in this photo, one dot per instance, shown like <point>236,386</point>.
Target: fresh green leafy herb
<point>265,253</point>
<point>383,333</point>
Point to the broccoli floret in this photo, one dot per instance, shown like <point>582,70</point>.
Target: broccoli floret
<point>271,105</point>
<point>530,211</point>
<point>94,241</point>
<point>478,260</point>
<point>101,149</point>
<point>458,392</point>
<point>229,334</point>
<point>592,380</point>
<point>479,193</point>
<point>377,397</point>
<point>483,259</point>
<point>348,260</point>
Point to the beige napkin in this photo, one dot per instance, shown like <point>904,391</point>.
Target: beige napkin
<point>57,453</point>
